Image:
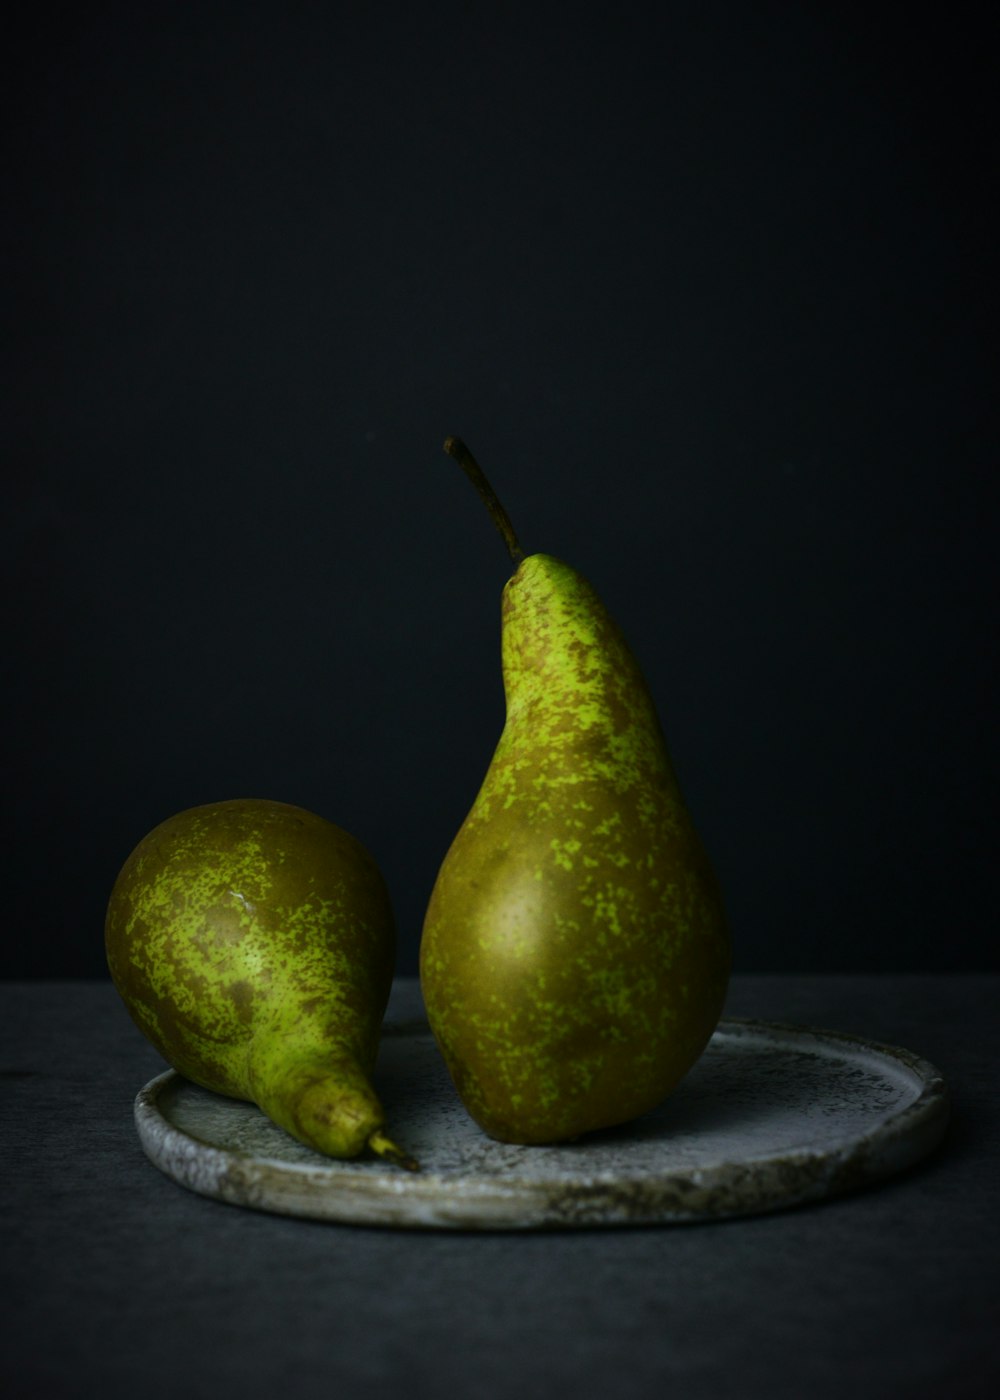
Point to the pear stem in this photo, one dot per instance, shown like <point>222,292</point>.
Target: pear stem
<point>456,448</point>
<point>385,1147</point>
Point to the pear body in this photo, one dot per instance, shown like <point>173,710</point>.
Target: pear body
<point>575,952</point>
<point>253,944</point>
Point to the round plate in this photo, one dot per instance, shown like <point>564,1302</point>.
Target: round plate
<point>770,1116</point>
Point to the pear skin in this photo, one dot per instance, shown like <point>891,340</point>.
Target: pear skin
<point>253,944</point>
<point>575,952</point>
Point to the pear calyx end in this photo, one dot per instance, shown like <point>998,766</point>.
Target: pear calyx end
<point>383,1146</point>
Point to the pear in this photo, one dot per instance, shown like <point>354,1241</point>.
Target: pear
<point>253,943</point>
<point>575,953</point>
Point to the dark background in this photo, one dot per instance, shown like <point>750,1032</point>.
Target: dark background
<point>707,289</point>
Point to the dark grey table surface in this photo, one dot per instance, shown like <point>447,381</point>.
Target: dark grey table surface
<point>117,1281</point>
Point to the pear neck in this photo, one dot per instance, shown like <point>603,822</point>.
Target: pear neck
<point>568,667</point>
<point>557,634</point>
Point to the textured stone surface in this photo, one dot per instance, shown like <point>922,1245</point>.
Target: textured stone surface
<point>769,1117</point>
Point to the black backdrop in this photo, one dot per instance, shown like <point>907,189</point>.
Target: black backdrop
<point>705,286</point>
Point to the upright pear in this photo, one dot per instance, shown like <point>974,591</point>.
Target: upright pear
<point>253,943</point>
<point>575,953</point>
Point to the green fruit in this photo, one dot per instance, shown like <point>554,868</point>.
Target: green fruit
<point>253,943</point>
<point>575,954</point>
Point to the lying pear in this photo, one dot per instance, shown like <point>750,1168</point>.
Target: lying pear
<point>253,943</point>
<point>575,954</point>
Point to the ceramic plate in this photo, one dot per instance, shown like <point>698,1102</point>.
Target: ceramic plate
<point>771,1116</point>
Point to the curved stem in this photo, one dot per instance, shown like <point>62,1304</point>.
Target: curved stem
<point>456,448</point>
<point>385,1147</point>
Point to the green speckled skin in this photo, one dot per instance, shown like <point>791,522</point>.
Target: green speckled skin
<point>575,953</point>
<point>253,943</point>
